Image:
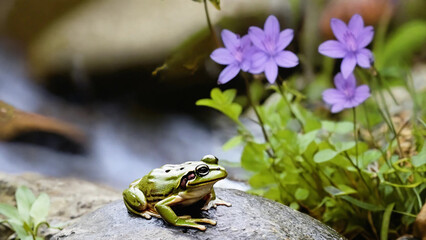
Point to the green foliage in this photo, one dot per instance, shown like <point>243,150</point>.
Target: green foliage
<point>315,164</point>
<point>223,102</point>
<point>402,44</point>
<point>28,216</point>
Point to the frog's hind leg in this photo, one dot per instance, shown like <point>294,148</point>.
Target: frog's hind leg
<point>135,202</point>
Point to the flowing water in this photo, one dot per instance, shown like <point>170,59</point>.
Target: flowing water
<point>120,147</point>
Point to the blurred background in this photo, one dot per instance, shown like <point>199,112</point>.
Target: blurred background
<point>105,90</point>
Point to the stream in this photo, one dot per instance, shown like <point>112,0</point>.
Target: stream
<point>120,148</point>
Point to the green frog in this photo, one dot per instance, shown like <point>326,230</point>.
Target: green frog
<point>176,185</point>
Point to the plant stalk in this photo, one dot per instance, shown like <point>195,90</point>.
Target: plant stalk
<point>209,23</point>
<point>261,123</point>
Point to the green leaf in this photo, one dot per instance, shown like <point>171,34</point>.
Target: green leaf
<point>215,3</point>
<point>301,194</point>
<point>408,38</point>
<point>420,159</point>
<point>40,208</point>
<point>9,211</point>
<point>305,139</point>
<point>233,142</point>
<point>343,146</point>
<point>364,205</point>
<point>253,157</point>
<point>337,127</point>
<point>20,231</point>
<point>385,222</point>
<point>370,156</point>
<point>329,126</point>
<point>294,205</point>
<point>340,191</point>
<point>222,101</point>
<point>324,155</point>
<point>344,127</point>
<point>262,179</point>
<point>24,199</point>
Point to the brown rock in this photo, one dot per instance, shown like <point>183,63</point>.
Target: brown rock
<point>70,198</point>
<point>420,224</point>
<point>16,125</point>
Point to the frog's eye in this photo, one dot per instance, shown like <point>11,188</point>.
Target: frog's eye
<point>202,170</point>
<point>210,159</point>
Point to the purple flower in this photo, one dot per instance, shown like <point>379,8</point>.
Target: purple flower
<point>236,55</point>
<point>270,44</point>
<point>346,94</point>
<point>350,45</point>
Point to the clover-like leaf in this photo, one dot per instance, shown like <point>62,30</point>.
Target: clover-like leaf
<point>9,211</point>
<point>301,194</point>
<point>40,209</point>
<point>324,155</point>
<point>223,102</point>
<point>24,199</point>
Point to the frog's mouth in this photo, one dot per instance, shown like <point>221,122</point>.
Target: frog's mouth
<point>184,182</point>
<point>185,179</point>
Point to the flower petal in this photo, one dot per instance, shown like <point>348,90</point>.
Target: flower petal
<point>272,27</point>
<point>286,59</point>
<point>361,94</point>
<point>230,40</point>
<point>337,107</point>
<point>365,37</point>
<point>245,42</point>
<point>222,56</point>
<point>356,24</point>
<point>333,49</point>
<point>257,36</point>
<point>271,70</point>
<point>364,58</point>
<point>258,62</point>
<point>345,84</point>
<point>228,73</point>
<point>284,39</point>
<point>333,96</point>
<point>348,65</point>
<point>339,28</point>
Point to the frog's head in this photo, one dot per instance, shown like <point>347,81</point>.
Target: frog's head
<point>205,172</point>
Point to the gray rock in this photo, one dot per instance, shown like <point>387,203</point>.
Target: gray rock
<point>70,198</point>
<point>250,217</point>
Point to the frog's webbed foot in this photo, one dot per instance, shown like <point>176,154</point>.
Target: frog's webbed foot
<point>184,221</point>
<point>148,214</point>
<point>214,203</point>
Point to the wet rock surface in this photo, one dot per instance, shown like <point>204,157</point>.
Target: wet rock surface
<point>250,217</point>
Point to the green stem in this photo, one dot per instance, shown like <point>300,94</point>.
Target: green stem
<point>379,79</point>
<point>359,172</point>
<point>355,136</point>
<point>261,123</point>
<point>293,114</point>
<point>209,23</point>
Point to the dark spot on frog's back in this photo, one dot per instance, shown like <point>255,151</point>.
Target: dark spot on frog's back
<point>167,170</point>
<point>181,168</point>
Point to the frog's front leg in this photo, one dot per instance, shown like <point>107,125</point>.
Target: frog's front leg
<point>135,201</point>
<point>212,201</point>
<point>163,208</point>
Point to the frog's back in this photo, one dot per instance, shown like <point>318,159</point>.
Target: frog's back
<point>162,182</point>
